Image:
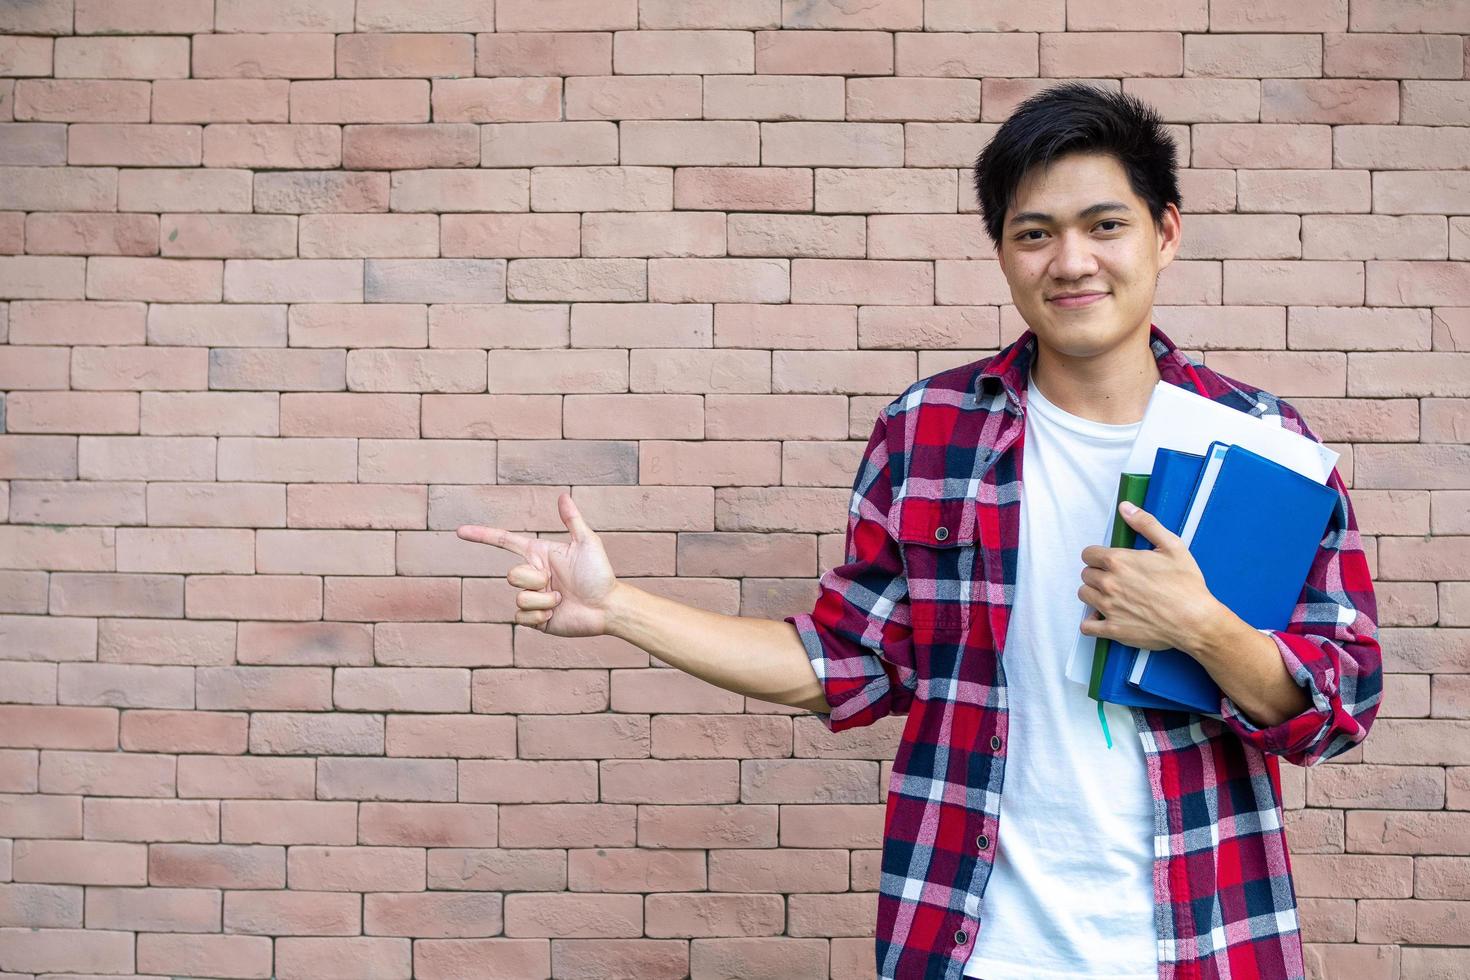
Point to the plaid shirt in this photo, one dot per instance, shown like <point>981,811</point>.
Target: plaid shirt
<point>913,624</point>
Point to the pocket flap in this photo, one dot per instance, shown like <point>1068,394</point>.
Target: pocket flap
<point>937,522</point>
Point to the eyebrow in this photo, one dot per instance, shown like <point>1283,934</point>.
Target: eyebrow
<point>1102,207</point>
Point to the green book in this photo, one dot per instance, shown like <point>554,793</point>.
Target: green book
<point>1131,487</point>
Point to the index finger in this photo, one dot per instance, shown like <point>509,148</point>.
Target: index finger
<point>497,536</point>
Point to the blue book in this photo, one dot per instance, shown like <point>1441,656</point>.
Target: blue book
<point>1253,527</point>
<point>1170,487</point>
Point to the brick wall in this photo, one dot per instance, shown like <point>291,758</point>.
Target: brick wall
<point>292,288</point>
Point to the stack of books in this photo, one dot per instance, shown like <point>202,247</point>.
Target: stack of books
<point>1249,498</point>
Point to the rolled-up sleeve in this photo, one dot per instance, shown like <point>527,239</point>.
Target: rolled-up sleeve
<point>1330,646</point>
<point>858,636</point>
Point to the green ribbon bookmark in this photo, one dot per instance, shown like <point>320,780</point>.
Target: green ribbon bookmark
<point>1104,719</point>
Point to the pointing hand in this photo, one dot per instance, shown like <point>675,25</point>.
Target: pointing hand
<point>565,585</point>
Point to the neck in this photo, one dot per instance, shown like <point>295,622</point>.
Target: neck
<point>1110,386</point>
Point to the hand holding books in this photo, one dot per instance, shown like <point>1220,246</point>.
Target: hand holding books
<point>1154,598</point>
<point>1253,540</point>
<point>1253,526</point>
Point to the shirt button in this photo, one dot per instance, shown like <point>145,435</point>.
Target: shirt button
<point>960,937</point>
<point>982,842</point>
<point>940,533</point>
<point>995,741</point>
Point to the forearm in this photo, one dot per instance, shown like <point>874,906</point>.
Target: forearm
<point>760,658</point>
<point>1247,665</point>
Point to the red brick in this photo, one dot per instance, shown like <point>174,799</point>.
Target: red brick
<point>272,145</point>
<point>293,913</point>
<point>703,826</point>
<point>80,862</point>
<point>281,15</point>
<point>217,865</point>
<point>849,914</point>
<point>568,825</point>
<point>307,192</point>
<point>430,780</point>
<point>812,52</point>
<point>265,688</point>
<point>77,323</point>
<point>94,234</point>
<point>544,53</point>
<point>411,146</point>
<point>432,915</point>
<point>403,100</point>
<point>245,957</point>
<point>571,915</point>
<point>343,959</point>
<point>40,816</point>
<point>154,909</point>
<point>129,144</point>
<point>178,821</point>
<point>184,190</point>
<point>313,733</point>
<point>375,55</point>
<point>72,411</point>
<point>58,189</point>
<point>165,641</point>
<point>107,594</point>
<point>451,736</point>
<point>445,959</point>
<point>72,950</point>
<point>580,15</point>
<point>201,100</point>
<point>288,822</point>
<point>497,100</point>
<point>155,279</point>
<point>768,955</point>
<point>81,100</point>
<point>359,869</point>
<point>428,824</point>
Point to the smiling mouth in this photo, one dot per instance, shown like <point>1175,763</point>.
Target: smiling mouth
<point>1069,302</point>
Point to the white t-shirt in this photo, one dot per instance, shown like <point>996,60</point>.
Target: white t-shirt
<point>1071,894</point>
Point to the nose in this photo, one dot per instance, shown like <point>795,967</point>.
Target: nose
<point>1073,258</point>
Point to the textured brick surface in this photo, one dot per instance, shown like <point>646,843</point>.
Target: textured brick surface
<point>291,288</point>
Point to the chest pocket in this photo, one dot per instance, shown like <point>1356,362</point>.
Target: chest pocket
<point>940,541</point>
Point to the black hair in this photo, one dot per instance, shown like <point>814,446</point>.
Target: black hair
<point>1076,117</point>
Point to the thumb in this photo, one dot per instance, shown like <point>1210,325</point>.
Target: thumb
<point>1147,525</point>
<point>572,518</point>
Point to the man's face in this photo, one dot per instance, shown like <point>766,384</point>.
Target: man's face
<point>1056,241</point>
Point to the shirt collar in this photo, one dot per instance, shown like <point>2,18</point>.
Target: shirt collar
<point>1011,366</point>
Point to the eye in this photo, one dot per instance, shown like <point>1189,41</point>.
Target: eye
<point>1024,236</point>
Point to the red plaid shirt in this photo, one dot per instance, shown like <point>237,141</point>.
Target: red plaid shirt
<point>912,624</point>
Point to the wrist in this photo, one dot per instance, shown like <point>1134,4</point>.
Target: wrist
<point>1211,631</point>
<point>618,610</point>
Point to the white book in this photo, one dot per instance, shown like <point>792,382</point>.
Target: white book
<point>1179,419</point>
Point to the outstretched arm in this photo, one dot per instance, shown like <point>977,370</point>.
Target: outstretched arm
<point>569,589</point>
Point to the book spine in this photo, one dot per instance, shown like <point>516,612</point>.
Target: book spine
<point>1132,487</point>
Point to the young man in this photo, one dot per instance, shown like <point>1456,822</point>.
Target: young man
<point>1018,843</point>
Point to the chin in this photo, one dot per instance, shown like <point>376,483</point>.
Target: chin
<point>1075,336</point>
